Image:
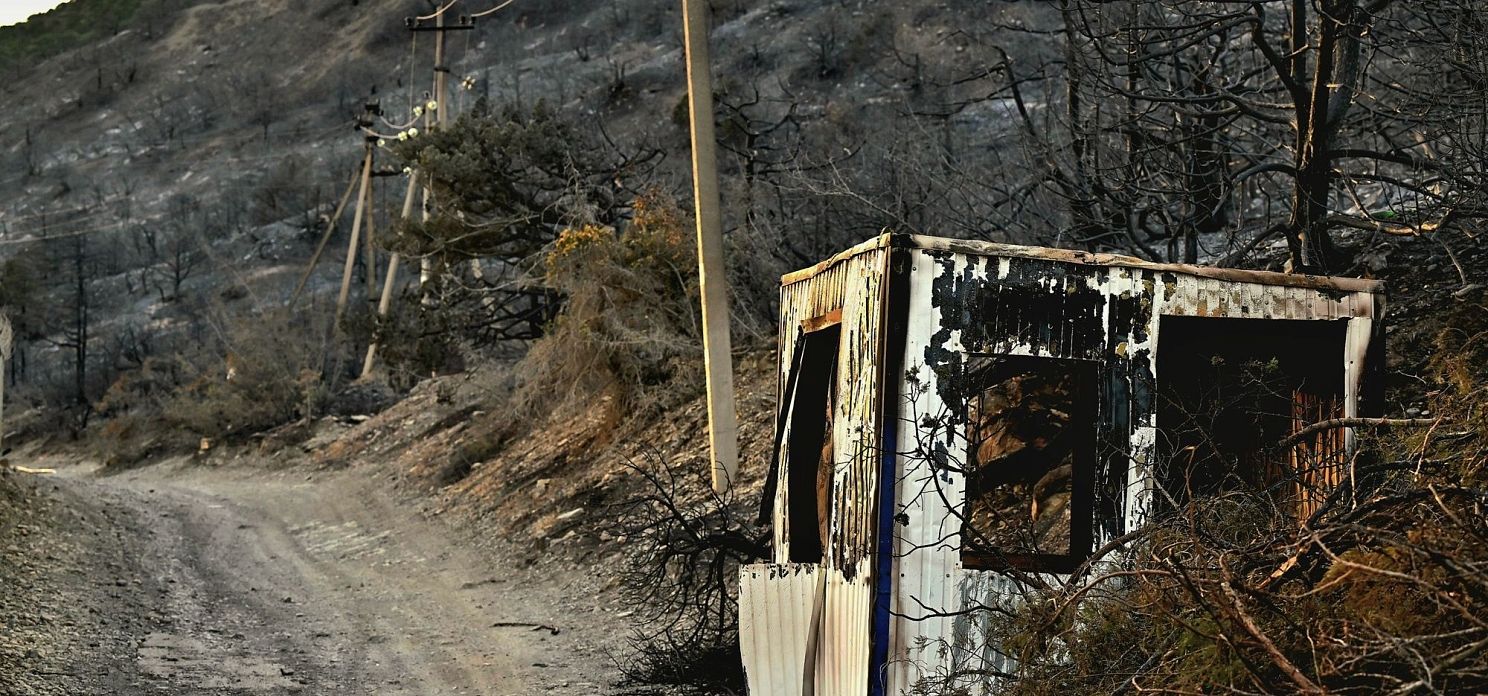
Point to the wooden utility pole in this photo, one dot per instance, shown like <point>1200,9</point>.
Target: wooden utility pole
<point>723,429</point>
<point>369,243</point>
<point>441,83</point>
<point>356,231</point>
<point>356,176</point>
<point>441,28</point>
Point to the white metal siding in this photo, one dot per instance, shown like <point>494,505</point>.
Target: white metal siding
<point>776,605</point>
<point>930,581</point>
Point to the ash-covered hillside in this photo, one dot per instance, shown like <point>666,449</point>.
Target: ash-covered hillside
<point>169,165</point>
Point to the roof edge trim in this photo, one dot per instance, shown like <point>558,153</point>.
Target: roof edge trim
<point>1085,258</point>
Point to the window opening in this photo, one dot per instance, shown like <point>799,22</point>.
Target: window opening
<point>1030,446</point>
<point>1231,390</point>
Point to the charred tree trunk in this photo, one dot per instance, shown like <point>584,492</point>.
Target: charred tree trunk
<point>1339,28</point>
<point>80,332</point>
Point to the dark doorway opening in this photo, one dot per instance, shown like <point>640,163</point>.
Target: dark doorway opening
<point>1231,390</point>
<point>809,456</point>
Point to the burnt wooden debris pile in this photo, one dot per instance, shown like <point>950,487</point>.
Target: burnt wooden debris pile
<point>954,409</point>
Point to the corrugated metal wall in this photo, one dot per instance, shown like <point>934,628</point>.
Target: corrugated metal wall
<point>853,286</point>
<point>778,615</point>
<point>1024,305</point>
<point>842,667</point>
<point>776,606</point>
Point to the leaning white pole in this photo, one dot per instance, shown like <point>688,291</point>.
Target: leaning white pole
<point>356,233</point>
<point>392,275</point>
<point>723,433</point>
<point>6,335</point>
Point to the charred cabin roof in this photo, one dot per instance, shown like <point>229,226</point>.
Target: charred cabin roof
<point>1085,258</point>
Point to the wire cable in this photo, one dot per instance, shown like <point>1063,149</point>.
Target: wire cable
<point>438,12</point>
<point>493,10</point>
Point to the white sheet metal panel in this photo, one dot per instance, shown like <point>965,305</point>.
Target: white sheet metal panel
<point>776,603</point>
<point>777,618</point>
<point>1355,353</point>
<point>842,667</point>
<point>925,557</point>
<point>970,648</point>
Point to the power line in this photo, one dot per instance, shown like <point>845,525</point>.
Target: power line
<point>439,12</point>
<point>493,10</point>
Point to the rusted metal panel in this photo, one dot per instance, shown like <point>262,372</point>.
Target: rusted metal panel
<point>855,428</point>
<point>880,242</point>
<point>1319,461</point>
<point>849,290</point>
<point>778,614</point>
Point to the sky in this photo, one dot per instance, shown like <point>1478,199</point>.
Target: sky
<point>16,11</point>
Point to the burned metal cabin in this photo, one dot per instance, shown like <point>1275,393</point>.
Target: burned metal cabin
<point>952,409</point>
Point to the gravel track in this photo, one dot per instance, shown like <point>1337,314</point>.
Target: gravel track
<point>203,581</point>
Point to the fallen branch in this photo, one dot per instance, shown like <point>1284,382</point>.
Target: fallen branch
<point>1331,424</point>
<point>1287,666</point>
<point>524,624</point>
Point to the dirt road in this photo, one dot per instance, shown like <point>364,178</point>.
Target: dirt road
<point>233,581</point>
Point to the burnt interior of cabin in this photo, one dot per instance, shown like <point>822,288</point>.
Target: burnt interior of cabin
<point>808,460</point>
<point>1031,424</point>
<point>1231,391</point>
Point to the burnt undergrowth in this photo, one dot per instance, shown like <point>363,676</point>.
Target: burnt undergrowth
<point>685,546</point>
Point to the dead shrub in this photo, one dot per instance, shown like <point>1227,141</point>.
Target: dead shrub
<point>132,439</point>
<point>134,430</point>
<point>628,318</point>
<point>269,376</point>
<point>685,545</point>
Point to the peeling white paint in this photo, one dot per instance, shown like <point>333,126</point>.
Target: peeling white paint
<point>930,586</point>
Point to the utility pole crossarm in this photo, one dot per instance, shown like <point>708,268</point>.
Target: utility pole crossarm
<point>462,24</point>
